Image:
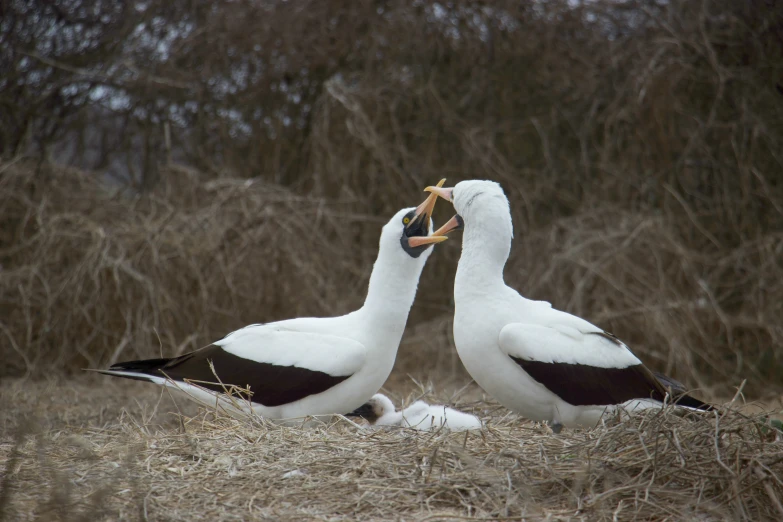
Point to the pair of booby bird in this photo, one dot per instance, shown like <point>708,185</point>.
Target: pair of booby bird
<point>540,362</point>
<point>379,411</point>
<point>309,366</point>
<point>543,363</point>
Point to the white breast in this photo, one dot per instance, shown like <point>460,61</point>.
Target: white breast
<point>477,327</point>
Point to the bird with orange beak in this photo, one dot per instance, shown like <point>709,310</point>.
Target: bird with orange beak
<point>309,366</point>
<point>543,363</point>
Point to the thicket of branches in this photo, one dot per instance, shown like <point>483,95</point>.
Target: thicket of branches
<point>639,144</point>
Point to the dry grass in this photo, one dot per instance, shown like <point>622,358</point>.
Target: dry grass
<point>91,275</point>
<point>71,454</point>
<point>638,143</point>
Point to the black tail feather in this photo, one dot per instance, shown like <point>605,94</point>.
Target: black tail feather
<point>150,366</point>
<point>679,393</point>
<point>692,402</point>
<point>141,368</point>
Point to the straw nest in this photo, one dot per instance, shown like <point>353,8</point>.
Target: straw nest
<point>82,461</point>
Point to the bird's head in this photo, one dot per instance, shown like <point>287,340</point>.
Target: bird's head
<point>476,201</point>
<point>375,408</point>
<point>411,229</point>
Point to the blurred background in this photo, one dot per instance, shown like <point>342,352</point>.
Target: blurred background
<point>173,170</point>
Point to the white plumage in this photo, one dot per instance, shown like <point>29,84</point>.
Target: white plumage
<point>558,342</point>
<point>543,363</point>
<point>310,366</point>
<point>380,411</point>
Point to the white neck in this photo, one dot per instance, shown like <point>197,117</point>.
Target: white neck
<point>392,289</point>
<point>486,244</point>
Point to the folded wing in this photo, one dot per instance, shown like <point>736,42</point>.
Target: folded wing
<point>583,369</point>
<point>278,366</point>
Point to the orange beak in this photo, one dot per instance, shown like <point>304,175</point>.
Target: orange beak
<point>424,211</point>
<point>425,240</point>
<point>455,223</point>
<point>437,190</point>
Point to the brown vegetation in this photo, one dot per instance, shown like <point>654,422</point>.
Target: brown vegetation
<point>639,145</point>
<point>655,466</point>
<point>171,171</point>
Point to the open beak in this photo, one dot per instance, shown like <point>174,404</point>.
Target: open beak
<point>438,190</point>
<point>424,211</point>
<point>425,240</point>
<point>455,223</point>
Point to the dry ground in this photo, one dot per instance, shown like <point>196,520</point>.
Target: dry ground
<point>98,449</point>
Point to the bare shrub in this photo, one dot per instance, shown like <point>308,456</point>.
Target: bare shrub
<point>638,143</point>
<point>92,274</point>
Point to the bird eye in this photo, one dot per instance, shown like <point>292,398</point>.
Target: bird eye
<point>406,220</point>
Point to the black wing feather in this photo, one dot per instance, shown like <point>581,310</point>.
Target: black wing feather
<point>584,385</point>
<point>270,384</point>
<point>680,393</point>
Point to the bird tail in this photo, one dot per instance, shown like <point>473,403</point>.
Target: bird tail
<point>143,370</point>
<point>679,393</point>
<point>692,402</point>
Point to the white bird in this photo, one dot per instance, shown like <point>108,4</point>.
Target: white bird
<point>380,411</point>
<point>540,362</point>
<point>309,366</point>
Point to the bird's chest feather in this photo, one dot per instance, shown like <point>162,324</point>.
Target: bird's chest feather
<point>477,327</point>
